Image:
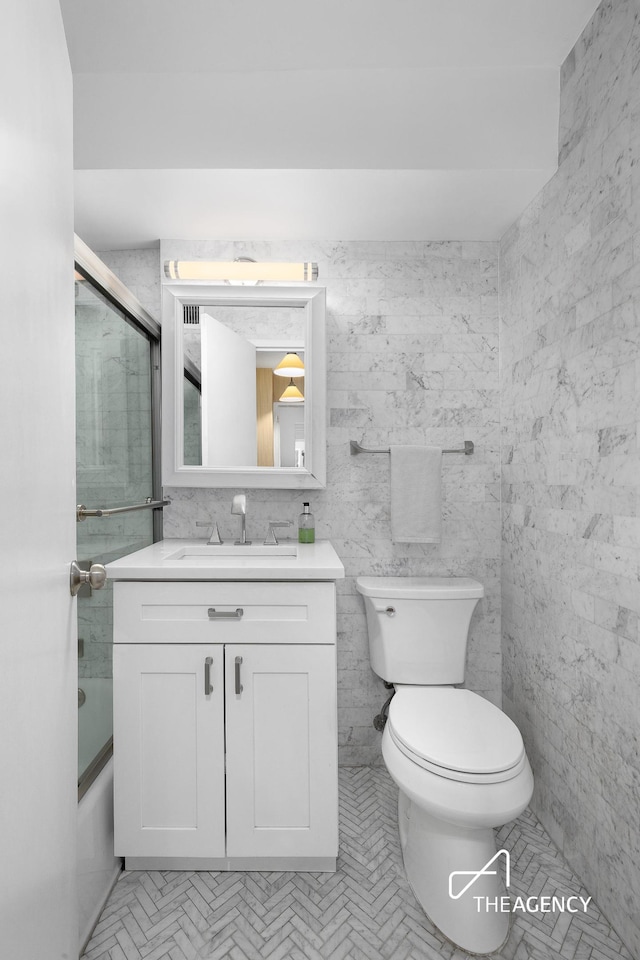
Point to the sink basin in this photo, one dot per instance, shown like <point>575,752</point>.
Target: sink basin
<point>208,552</point>
<point>199,560</point>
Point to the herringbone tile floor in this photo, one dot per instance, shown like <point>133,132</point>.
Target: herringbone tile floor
<point>365,911</point>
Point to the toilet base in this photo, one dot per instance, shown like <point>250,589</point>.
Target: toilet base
<point>432,850</point>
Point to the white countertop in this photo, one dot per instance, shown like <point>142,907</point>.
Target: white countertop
<point>196,560</point>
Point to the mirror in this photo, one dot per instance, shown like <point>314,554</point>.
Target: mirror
<point>236,353</point>
<point>243,386</point>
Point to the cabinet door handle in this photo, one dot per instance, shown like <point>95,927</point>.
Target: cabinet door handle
<point>238,684</point>
<point>208,686</point>
<point>236,614</point>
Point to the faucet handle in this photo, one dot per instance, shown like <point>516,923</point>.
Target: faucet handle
<point>239,504</point>
<point>271,539</point>
<point>215,533</point>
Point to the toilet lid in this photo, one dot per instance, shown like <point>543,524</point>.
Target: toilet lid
<point>454,729</point>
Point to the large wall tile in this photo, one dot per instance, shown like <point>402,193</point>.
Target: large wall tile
<point>570,339</point>
<point>412,357</point>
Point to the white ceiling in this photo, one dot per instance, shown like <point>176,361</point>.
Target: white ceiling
<point>347,119</point>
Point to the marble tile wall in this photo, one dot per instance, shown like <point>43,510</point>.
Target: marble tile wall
<point>412,358</point>
<point>570,337</point>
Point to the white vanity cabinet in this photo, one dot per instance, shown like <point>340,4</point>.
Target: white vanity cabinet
<point>225,735</point>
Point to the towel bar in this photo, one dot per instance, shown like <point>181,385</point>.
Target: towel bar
<point>357,448</point>
<point>83,512</point>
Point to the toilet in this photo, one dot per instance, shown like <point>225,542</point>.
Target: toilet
<point>458,761</point>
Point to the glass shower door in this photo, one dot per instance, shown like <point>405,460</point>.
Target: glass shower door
<point>114,452</point>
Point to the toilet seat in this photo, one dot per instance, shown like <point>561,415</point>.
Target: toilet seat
<point>455,734</point>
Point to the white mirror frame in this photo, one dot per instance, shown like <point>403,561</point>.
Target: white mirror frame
<point>174,471</point>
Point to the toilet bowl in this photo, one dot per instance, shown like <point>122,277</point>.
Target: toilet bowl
<point>458,761</point>
<point>446,813</point>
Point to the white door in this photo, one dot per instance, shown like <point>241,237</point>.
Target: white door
<point>282,789</point>
<point>38,679</point>
<point>288,434</point>
<point>228,396</point>
<point>168,735</point>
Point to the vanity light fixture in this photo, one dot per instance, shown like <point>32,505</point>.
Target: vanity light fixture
<point>291,394</point>
<point>290,366</point>
<point>239,270</point>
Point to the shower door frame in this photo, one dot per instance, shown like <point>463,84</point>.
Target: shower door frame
<point>112,289</point>
<point>106,282</point>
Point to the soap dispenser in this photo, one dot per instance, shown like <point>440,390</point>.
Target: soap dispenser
<point>306,526</point>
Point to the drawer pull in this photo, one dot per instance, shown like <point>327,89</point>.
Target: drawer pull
<point>238,684</point>
<point>236,614</point>
<point>208,686</point>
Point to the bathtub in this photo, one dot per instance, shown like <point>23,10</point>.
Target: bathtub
<point>97,867</point>
<point>95,720</point>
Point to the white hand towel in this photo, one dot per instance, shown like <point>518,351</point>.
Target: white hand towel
<point>416,494</point>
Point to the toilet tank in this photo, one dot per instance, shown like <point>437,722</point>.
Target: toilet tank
<point>418,626</point>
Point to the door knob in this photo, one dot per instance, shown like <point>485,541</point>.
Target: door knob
<point>95,576</point>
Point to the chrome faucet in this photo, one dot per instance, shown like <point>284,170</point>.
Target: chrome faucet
<point>239,507</point>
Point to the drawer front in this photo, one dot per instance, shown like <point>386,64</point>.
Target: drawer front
<point>221,612</point>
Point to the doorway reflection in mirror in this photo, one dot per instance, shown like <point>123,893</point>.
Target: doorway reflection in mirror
<point>243,367</point>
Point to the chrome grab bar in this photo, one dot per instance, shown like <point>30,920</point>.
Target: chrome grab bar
<point>214,614</point>
<point>83,512</point>
<point>357,448</point>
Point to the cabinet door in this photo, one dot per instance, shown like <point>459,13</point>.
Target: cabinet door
<point>282,791</point>
<point>168,750</point>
